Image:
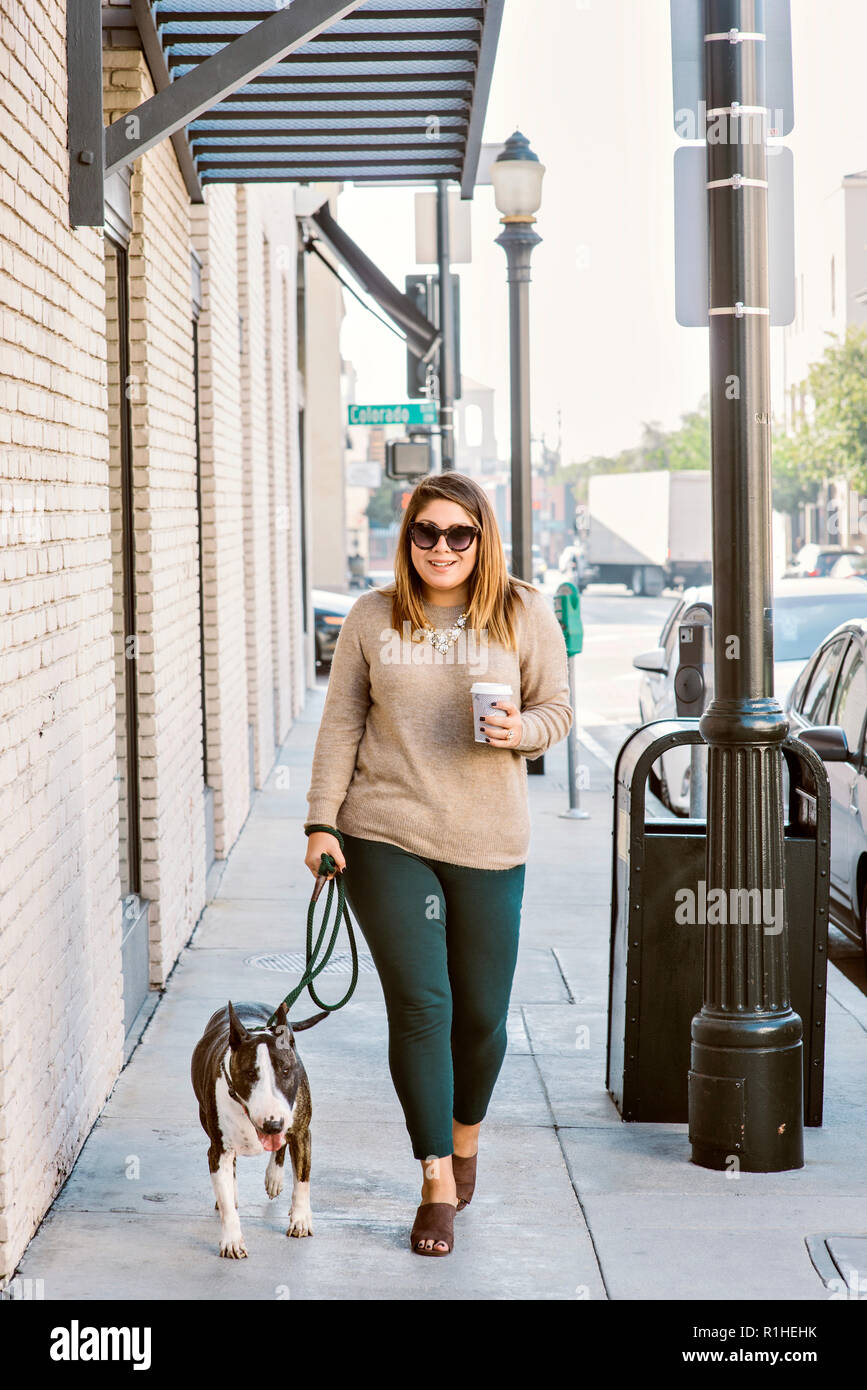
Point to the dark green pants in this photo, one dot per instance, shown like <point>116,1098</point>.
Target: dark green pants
<point>444,940</point>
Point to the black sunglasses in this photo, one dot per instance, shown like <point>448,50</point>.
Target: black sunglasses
<point>425,535</point>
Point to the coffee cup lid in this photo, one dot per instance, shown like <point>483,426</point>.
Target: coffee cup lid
<point>490,688</point>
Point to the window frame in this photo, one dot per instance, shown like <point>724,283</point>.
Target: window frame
<point>857,752</point>
<point>843,639</point>
<point>669,624</point>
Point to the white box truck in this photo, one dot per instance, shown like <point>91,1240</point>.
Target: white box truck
<point>651,530</point>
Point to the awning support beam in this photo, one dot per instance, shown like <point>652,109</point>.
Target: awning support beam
<point>84,114</point>
<point>218,77</point>
<point>156,61</point>
<point>481,92</point>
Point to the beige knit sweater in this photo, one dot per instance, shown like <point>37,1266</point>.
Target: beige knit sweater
<point>395,758</point>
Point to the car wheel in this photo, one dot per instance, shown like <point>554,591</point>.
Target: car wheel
<point>654,583</point>
<point>637,584</point>
<point>863,923</point>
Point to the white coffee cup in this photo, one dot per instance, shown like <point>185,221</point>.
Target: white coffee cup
<point>485,694</point>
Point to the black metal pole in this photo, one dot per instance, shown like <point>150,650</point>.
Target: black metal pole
<point>447,328</point>
<point>745,1085</point>
<point>519,239</point>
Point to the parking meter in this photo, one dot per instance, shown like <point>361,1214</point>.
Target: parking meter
<point>692,682</point>
<point>691,677</point>
<point>567,606</point>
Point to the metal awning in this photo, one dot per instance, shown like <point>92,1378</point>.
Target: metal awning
<point>422,337</point>
<point>309,90</point>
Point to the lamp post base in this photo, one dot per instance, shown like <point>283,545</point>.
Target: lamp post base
<point>746,1095</point>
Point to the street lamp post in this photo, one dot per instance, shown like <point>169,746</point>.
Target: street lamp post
<point>745,1083</point>
<point>448,331</point>
<point>517,179</point>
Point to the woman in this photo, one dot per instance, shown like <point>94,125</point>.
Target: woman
<point>431,828</point>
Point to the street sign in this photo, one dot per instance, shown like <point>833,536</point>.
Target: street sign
<point>687,61</point>
<point>364,473</point>
<point>488,156</point>
<point>409,413</point>
<point>691,281</point>
<point>460,230</point>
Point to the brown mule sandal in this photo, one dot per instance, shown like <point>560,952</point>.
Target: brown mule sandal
<point>434,1221</point>
<point>464,1170</point>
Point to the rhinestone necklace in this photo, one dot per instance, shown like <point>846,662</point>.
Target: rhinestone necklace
<point>441,639</point>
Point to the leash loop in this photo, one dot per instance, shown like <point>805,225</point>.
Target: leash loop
<point>314,964</point>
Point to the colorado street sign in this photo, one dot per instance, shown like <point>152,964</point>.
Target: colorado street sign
<point>411,413</point>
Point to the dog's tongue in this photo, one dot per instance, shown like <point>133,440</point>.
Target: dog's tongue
<point>271,1142</point>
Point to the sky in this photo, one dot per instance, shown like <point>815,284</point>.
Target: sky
<point>589,83</point>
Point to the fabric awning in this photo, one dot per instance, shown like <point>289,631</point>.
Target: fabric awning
<point>422,337</point>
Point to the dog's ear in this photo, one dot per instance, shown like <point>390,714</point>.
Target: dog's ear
<point>237,1032</point>
<point>283,1028</point>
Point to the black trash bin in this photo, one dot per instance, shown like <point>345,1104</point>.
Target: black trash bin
<point>656,967</point>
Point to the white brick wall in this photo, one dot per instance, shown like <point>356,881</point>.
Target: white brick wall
<point>60,985</point>
<point>326,427</point>
<point>166,539</point>
<point>298,665</point>
<point>257,481</point>
<point>215,237</point>
<point>60,937</point>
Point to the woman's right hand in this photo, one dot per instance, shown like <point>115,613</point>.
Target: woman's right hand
<point>319,843</point>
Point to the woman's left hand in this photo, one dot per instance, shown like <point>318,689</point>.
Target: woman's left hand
<point>503,730</point>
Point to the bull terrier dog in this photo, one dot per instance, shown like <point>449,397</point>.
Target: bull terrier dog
<point>254,1098</point>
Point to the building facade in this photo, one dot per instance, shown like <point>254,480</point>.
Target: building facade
<point>160,428</point>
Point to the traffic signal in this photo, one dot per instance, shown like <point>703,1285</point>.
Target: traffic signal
<point>424,291</point>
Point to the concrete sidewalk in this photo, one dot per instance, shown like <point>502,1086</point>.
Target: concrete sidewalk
<point>571,1202</point>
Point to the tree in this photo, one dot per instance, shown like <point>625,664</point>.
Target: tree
<point>793,484</point>
<point>688,446</point>
<point>831,441</point>
<point>384,507</point>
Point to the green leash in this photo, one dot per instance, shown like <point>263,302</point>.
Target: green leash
<point>315,964</point>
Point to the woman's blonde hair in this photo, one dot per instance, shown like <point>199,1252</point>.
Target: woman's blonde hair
<point>493,591</point>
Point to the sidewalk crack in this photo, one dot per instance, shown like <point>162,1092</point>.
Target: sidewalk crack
<point>556,956</point>
<point>556,1129</point>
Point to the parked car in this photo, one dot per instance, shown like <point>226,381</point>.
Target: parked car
<point>850,567</point>
<point>817,561</point>
<point>329,610</point>
<point>378,579</point>
<point>828,706</point>
<point>805,610</point>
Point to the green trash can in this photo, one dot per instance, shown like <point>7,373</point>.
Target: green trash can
<point>657,965</point>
